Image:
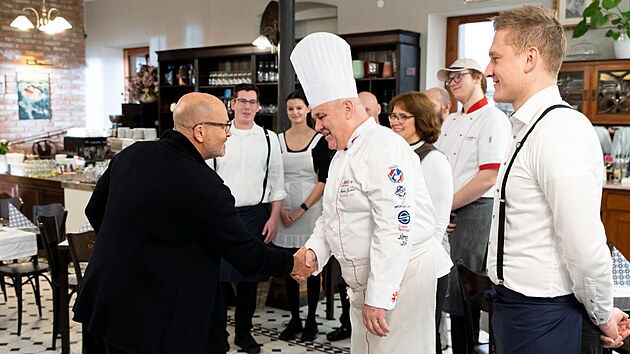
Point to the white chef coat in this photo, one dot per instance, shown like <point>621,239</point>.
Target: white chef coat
<point>299,180</point>
<point>439,181</point>
<point>377,213</point>
<point>379,223</point>
<point>474,141</point>
<point>243,166</point>
<point>555,243</point>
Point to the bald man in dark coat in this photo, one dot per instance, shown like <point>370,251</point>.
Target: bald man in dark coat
<point>164,220</point>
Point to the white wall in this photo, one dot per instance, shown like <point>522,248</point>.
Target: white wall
<point>165,24</point>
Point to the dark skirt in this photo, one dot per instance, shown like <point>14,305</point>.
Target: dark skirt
<point>469,242</point>
<point>254,217</point>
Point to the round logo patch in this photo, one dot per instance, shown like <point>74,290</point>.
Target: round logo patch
<point>404,217</point>
<point>395,175</point>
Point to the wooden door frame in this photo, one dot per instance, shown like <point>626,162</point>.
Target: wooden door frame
<point>452,40</point>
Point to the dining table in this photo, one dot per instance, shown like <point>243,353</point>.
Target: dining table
<point>17,243</point>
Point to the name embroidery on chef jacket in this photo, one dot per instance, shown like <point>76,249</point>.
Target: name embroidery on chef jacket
<point>347,188</point>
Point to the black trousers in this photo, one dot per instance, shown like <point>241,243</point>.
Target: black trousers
<point>245,305</point>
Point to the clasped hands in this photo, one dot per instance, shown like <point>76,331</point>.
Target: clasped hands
<point>615,330</point>
<point>304,264</point>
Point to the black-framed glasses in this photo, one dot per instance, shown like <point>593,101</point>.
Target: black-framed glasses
<point>245,102</point>
<point>457,78</point>
<point>225,126</point>
<point>400,118</point>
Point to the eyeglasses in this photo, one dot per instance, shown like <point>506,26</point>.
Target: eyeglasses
<point>246,102</point>
<point>400,118</point>
<point>456,79</point>
<point>225,126</point>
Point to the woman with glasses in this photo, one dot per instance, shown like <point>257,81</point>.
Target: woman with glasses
<point>305,156</point>
<point>413,116</point>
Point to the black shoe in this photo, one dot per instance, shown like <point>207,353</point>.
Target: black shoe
<point>247,343</point>
<point>310,331</point>
<point>340,333</point>
<point>294,327</point>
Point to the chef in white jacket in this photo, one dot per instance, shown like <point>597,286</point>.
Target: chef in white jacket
<point>378,219</point>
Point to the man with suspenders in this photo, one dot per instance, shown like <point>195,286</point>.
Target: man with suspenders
<point>547,254</point>
<point>252,169</point>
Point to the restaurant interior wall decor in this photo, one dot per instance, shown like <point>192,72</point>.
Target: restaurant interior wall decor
<point>60,57</point>
<point>33,96</point>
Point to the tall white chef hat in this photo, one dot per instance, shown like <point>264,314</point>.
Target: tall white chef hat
<point>323,64</point>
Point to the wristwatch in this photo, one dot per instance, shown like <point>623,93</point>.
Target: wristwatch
<point>303,206</point>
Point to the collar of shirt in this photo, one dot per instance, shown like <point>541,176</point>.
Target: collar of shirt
<point>357,132</point>
<point>255,129</point>
<point>482,102</point>
<point>541,100</point>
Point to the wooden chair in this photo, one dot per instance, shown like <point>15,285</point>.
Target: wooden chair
<point>44,148</point>
<point>20,274</point>
<point>50,237</point>
<point>474,287</point>
<point>54,209</point>
<point>4,216</point>
<point>81,246</point>
<point>4,206</point>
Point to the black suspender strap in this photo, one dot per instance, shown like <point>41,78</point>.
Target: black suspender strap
<point>267,169</point>
<point>501,225</point>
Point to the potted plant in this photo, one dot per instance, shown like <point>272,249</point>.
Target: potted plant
<point>143,86</point>
<point>4,148</point>
<point>601,13</point>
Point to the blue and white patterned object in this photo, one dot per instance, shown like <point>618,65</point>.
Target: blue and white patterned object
<point>620,269</point>
<point>17,220</point>
<point>87,227</point>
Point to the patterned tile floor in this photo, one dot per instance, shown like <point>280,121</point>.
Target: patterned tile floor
<point>36,331</point>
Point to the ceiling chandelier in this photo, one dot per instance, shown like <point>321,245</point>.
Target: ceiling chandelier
<point>44,21</point>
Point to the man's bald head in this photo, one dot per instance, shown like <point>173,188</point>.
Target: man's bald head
<point>193,108</point>
<point>441,100</point>
<point>370,103</point>
<point>194,116</point>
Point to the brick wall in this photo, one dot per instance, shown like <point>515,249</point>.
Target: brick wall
<point>64,57</point>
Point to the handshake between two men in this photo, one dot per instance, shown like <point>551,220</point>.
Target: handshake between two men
<point>304,264</point>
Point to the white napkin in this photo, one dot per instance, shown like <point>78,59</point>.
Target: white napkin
<point>620,268</point>
<point>17,220</point>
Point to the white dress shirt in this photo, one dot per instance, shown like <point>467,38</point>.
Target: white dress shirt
<point>555,243</point>
<point>377,214</point>
<point>243,166</point>
<point>474,141</point>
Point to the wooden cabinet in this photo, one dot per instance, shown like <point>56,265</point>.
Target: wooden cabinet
<point>216,70</point>
<point>33,191</point>
<point>599,89</point>
<point>616,218</point>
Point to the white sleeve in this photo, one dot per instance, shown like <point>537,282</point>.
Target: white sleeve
<point>439,180</point>
<point>317,242</point>
<point>567,165</point>
<point>392,164</point>
<point>275,179</point>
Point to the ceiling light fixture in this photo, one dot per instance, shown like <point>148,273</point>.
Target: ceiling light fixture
<point>45,22</point>
<point>269,35</point>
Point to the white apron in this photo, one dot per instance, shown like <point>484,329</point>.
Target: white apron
<point>299,180</point>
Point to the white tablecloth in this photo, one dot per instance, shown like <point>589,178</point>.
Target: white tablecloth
<point>16,243</point>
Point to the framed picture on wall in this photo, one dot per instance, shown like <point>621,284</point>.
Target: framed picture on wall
<point>33,96</point>
<point>570,11</point>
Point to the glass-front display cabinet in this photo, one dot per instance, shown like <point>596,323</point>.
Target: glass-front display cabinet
<point>599,89</point>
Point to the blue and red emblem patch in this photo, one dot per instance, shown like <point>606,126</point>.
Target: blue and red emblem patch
<point>395,175</point>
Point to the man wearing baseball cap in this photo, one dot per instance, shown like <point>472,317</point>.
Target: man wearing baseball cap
<point>474,141</point>
<point>378,219</point>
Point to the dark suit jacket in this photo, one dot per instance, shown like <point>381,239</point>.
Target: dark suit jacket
<point>164,219</point>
